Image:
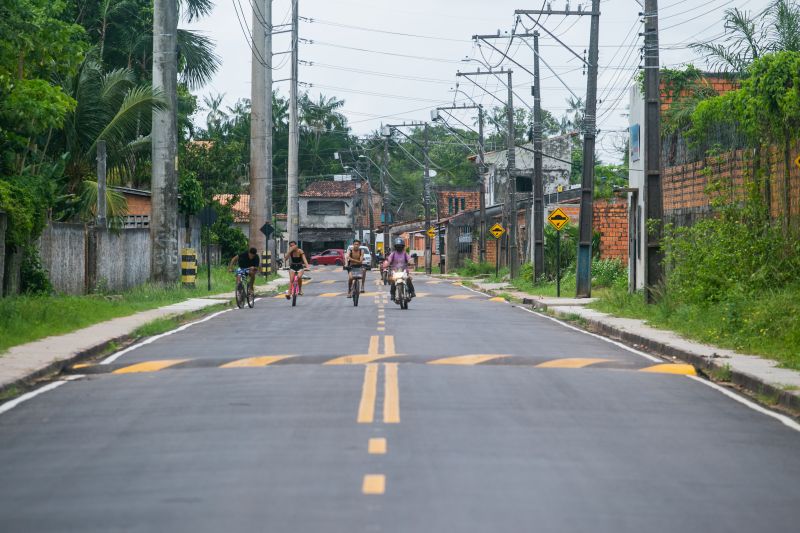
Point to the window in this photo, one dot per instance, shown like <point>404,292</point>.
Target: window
<point>463,204</point>
<point>325,207</point>
<point>450,205</point>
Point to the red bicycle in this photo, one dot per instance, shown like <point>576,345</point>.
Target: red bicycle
<point>294,288</point>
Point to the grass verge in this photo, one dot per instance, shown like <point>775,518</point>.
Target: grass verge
<point>765,324</point>
<point>28,318</point>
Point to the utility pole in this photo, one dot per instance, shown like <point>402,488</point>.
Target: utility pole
<point>102,215</point>
<point>538,182</point>
<point>654,206</point>
<point>261,63</point>
<point>292,199</point>
<point>164,260</point>
<point>426,200</point>
<point>513,260</point>
<point>385,191</point>
<point>268,140</point>
<point>584,273</point>
<point>482,182</point>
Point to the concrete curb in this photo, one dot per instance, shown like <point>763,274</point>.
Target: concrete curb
<point>747,382</point>
<point>57,366</point>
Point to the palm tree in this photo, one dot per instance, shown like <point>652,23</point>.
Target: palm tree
<point>321,116</point>
<point>216,116</point>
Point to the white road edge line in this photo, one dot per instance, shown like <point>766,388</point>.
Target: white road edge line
<point>785,420</point>
<point>29,395</point>
<point>110,359</point>
<point>596,336</point>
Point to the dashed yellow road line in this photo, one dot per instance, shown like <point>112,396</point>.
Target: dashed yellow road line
<point>669,368</point>
<point>366,408</point>
<point>149,366</point>
<point>374,484</point>
<point>571,362</point>
<point>381,322</point>
<point>376,446</point>
<point>251,362</point>
<point>391,395</point>
<point>467,359</point>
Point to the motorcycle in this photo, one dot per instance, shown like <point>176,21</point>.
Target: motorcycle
<point>401,294</point>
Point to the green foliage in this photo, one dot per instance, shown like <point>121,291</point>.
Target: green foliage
<point>191,193</point>
<point>230,238</point>
<point>19,206</point>
<point>609,273</point>
<point>34,277</point>
<point>472,269</point>
<point>608,177</point>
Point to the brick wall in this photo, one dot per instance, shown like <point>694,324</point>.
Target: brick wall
<point>611,220</point>
<point>138,205</point>
<point>447,198</point>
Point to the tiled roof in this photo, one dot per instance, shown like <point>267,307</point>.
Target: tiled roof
<point>330,189</point>
<point>241,209</point>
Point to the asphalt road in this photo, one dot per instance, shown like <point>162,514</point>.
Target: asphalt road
<point>461,414</point>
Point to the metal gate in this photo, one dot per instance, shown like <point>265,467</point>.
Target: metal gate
<point>465,240</point>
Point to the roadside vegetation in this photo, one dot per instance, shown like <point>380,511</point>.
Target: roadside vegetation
<point>29,317</point>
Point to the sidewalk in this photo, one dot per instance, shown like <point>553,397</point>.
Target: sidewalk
<point>761,377</point>
<point>31,361</point>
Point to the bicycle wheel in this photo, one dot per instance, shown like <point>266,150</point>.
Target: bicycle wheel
<point>240,296</point>
<point>251,298</point>
<point>295,290</point>
<point>356,291</point>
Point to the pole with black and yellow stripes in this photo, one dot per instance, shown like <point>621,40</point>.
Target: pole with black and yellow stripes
<point>188,267</point>
<point>266,263</point>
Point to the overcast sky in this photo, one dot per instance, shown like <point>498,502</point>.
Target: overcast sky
<point>393,61</point>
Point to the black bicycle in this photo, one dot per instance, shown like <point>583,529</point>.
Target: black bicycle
<point>355,288</point>
<point>244,292</point>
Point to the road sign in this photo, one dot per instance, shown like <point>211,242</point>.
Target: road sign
<point>431,233</point>
<point>560,188</point>
<point>797,161</point>
<point>267,229</point>
<point>497,231</point>
<point>558,219</point>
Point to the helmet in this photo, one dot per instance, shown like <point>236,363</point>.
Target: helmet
<point>399,244</point>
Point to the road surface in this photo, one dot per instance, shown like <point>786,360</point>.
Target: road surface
<point>463,414</point>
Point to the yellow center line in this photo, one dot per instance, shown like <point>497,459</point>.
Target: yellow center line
<point>391,395</point>
<point>467,359</point>
<point>388,345</point>
<point>381,323</point>
<point>377,446</point>
<point>373,354</point>
<point>250,362</point>
<point>683,370</point>
<point>366,408</point>
<point>149,366</point>
<point>374,484</point>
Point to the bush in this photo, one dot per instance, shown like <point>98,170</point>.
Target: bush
<point>609,273</point>
<point>34,277</point>
<point>471,269</point>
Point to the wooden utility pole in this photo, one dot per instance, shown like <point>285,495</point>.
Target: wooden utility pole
<point>164,259</point>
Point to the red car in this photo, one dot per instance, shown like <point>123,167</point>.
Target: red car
<point>334,256</point>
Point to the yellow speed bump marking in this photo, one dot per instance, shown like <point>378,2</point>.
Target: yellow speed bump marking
<point>366,407</point>
<point>373,353</point>
<point>330,294</point>
<point>467,359</point>
<point>497,299</point>
<point>374,484</point>
<point>461,297</point>
<point>391,395</point>
<point>251,362</point>
<point>149,366</point>
<point>377,446</point>
<point>81,365</point>
<point>669,368</point>
<point>432,282</point>
<point>328,282</point>
<point>572,362</point>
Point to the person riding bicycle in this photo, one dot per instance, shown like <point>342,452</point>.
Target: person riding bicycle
<point>354,259</point>
<point>397,261</point>
<point>248,264</point>
<point>296,259</point>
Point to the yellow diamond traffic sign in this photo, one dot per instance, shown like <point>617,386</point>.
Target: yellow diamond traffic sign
<point>558,219</point>
<point>797,161</point>
<point>431,233</point>
<point>497,231</point>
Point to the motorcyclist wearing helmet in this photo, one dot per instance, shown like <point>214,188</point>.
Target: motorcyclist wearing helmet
<point>399,260</point>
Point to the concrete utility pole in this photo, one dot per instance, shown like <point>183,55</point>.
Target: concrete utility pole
<point>102,215</point>
<point>164,264</point>
<point>385,191</point>
<point>482,199</point>
<point>537,226</point>
<point>653,197</point>
<point>426,177</point>
<point>261,64</point>
<point>513,260</point>
<point>268,185</point>
<point>584,273</point>
<point>292,199</point>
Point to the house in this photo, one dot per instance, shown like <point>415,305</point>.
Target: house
<point>241,217</point>
<point>333,213</point>
<point>556,168</point>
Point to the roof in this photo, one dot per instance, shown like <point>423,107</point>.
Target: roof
<point>132,192</point>
<point>241,209</point>
<point>330,189</point>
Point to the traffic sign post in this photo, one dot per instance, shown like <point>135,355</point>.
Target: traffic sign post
<point>558,219</point>
<point>497,231</point>
<point>208,215</point>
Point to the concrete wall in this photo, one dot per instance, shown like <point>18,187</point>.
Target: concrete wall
<point>636,200</point>
<point>326,221</point>
<point>123,259</point>
<point>63,251</point>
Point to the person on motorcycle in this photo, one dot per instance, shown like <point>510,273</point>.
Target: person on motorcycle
<point>399,260</point>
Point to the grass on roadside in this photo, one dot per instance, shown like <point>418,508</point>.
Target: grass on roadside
<point>28,318</point>
<point>163,325</point>
<point>766,324</point>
